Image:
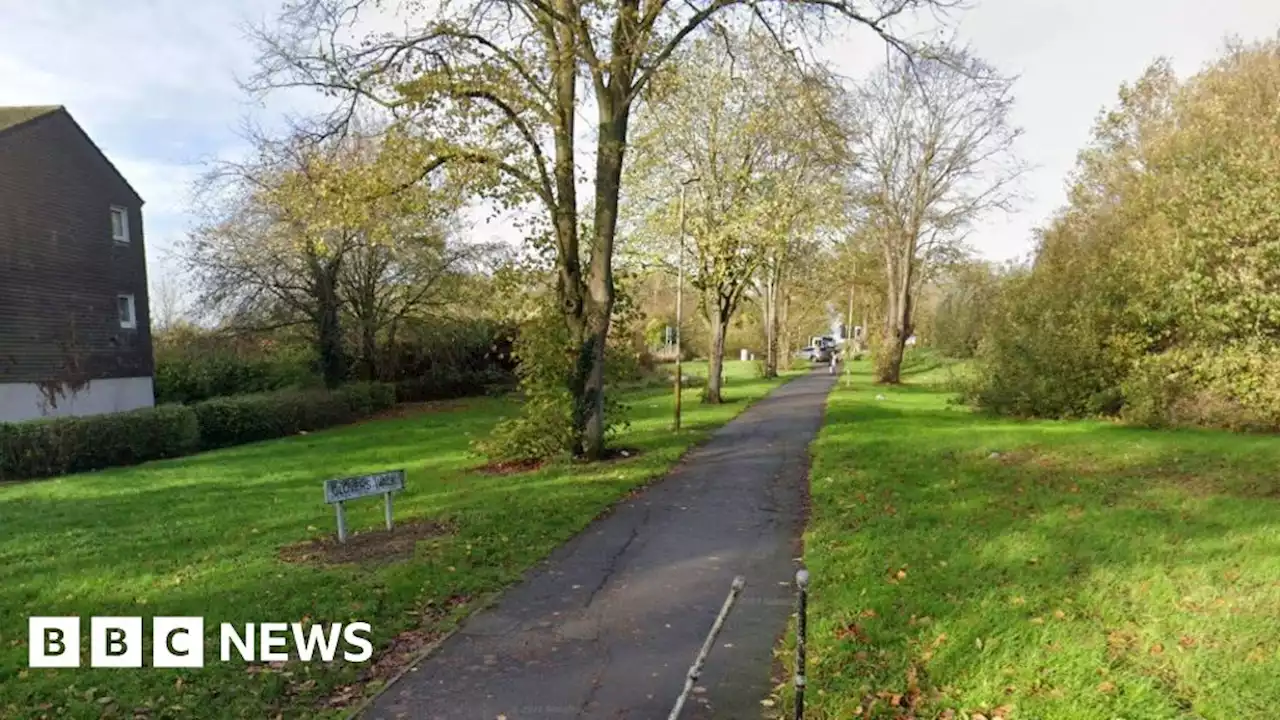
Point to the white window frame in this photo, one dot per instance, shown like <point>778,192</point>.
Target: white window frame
<point>132,322</point>
<point>124,224</point>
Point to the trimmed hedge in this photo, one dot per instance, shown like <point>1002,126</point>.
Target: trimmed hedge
<point>446,384</point>
<point>57,446</point>
<point>250,418</point>
<point>221,374</point>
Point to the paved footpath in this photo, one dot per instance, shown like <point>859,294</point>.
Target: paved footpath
<point>608,626</point>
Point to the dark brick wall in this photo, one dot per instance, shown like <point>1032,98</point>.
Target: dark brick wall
<point>60,270</point>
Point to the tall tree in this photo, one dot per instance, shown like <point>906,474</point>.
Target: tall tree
<point>495,89</point>
<point>760,136</point>
<point>282,241</point>
<point>935,143</point>
<point>386,285</point>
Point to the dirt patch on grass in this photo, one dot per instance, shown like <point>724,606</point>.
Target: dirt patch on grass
<point>616,454</point>
<point>372,546</point>
<point>1211,482</point>
<point>1049,461</point>
<point>510,467</point>
<point>513,467</point>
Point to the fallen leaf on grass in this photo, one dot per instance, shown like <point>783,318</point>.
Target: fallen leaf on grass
<point>852,630</point>
<point>1106,686</point>
<point>1157,649</point>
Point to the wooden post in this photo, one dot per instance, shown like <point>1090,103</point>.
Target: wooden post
<point>388,496</point>
<point>342,523</point>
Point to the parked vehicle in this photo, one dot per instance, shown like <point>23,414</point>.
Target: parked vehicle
<point>821,349</point>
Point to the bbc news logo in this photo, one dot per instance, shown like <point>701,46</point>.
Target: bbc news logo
<point>178,642</point>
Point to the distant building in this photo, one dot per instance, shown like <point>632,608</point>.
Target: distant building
<point>75,334</point>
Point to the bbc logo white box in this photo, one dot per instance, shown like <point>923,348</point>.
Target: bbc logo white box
<point>115,642</point>
<point>177,642</point>
<point>53,642</point>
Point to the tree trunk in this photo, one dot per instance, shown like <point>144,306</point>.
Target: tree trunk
<point>614,115</point>
<point>715,369</point>
<point>771,322</point>
<point>889,360</point>
<point>369,351</point>
<point>784,324</point>
<point>897,326</point>
<point>333,364</point>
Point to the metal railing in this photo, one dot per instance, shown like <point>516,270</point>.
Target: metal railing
<point>695,670</point>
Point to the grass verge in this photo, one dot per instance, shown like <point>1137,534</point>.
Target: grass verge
<point>973,567</point>
<point>202,536</point>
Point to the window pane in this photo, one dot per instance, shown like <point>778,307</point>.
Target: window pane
<point>126,310</point>
<point>117,224</point>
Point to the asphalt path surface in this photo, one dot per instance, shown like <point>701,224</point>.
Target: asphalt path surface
<point>608,626</point>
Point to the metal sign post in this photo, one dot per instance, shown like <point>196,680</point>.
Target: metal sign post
<point>338,491</point>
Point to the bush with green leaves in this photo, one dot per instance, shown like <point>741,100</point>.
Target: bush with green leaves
<point>447,383</point>
<point>1234,387</point>
<point>1155,293</point>
<point>545,426</point>
<point>56,446</point>
<point>447,358</point>
<point>203,369</point>
<point>251,418</point>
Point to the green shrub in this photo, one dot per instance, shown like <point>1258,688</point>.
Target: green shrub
<point>252,418</point>
<point>56,446</point>
<point>444,358</point>
<point>1234,388</point>
<point>446,383</point>
<point>545,427</point>
<point>193,376</point>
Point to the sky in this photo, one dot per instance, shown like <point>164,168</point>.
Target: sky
<point>154,82</point>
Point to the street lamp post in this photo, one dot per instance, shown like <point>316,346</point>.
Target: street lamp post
<point>680,300</point>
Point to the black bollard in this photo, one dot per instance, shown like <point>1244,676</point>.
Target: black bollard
<point>802,601</point>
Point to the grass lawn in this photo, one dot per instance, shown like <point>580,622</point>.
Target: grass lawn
<point>201,536</point>
<point>965,566</point>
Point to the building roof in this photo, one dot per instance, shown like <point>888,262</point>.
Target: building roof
<point>16,115</point>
